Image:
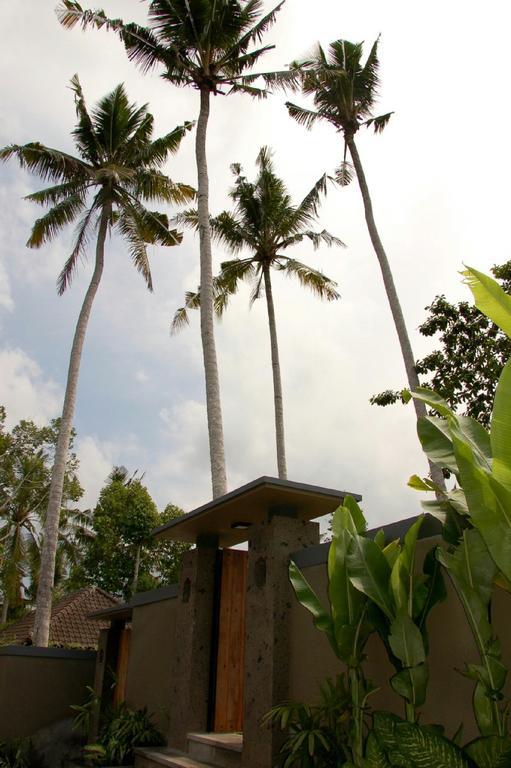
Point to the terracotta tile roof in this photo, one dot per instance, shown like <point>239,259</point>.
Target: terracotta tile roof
<point>70,623</point>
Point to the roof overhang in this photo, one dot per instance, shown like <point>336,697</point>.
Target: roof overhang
<point>227,520</point>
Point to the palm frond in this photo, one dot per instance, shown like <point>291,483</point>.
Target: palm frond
<point>48,226</point>
<point>57,193</point>
<point>129,227</point>
<point>84,134</point>
<point>226,229</point>
<point>159,150</point>
<point>250,90</point>
<point>82,237</point>
<point>188,219</point>
<point>257,288</point>
<point>49,164</point>
<point>305,117</point>
<point>155,186</point>
<point>310,278</point>
<point>379,123</point>
<point>255,34</point>
<point>344,173</point>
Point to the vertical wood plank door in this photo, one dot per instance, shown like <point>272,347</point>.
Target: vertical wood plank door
<point>122,666</point>
<point>231,642</point>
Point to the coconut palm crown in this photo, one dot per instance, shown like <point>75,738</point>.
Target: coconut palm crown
<point>265,223</point>
<point>204,43</point>
<point>117,167</point>
<point>344,91</point>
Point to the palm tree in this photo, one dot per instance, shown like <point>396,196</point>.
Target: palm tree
<point>344,91</point>
<point>203,44</point>
<point>266,223</point>
<point>20,516</point>
<point>117,167</point>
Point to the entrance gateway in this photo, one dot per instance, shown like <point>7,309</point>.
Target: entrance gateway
<point>231,636</point>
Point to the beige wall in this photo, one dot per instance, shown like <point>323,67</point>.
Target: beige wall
<point>451,645</point>
<point>38,685</point>
<point>149,665</point>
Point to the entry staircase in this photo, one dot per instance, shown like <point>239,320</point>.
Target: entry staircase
<point>205,750</point>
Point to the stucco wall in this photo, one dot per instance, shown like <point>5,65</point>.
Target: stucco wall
<point>451,645</point>
<point>37,686</point>
<point>150,657</point>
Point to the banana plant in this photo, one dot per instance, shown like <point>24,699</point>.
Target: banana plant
<point>477,518</point>
<point>345,622</point>
<point>396,742</point>
<point>472,572</point>
<point>403,600</point>
<point>480,462</point>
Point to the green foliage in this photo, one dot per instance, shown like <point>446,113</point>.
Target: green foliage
<point>18,753</point>
<point>117,168</point>
<point>396,742</point>
<point>316,735</point>
<point>265,223</point>
<point>122,554</point>
<point>202,43</point>
<point>85,712</point>
<point>465,369</point>
<point>26,458</point>
<point>122,731</point>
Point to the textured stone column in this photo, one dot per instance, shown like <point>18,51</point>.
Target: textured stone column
<point>269,596</point>
<point>190,684</point>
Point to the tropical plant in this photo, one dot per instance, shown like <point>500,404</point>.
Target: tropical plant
<point>473,351</point>
<point>122,556</point>
<point>204,44</point>
<point>117,167</point>
<point>18,753</point>
<point>265,223</point>
<point>345,623</point>
<point>475,513</point>
<point>344,90</point>
<point>123,730</point>
<point>316,735</point>
<point>26,457</point>
<point>395,742</point>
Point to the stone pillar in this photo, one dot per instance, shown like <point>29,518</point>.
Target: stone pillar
<point>190,686</point>
<point>269,596</point>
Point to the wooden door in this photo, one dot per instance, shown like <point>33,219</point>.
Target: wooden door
<point>231,643</point>
<point>121,671</point>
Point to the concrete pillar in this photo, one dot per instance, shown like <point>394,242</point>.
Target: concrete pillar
<point>190,686</point>
<point>269,596</point>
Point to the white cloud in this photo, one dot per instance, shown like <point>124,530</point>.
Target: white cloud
<point>141,376</point>
<point>24,390</point>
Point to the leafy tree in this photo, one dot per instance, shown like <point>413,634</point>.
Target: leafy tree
<point>122,556</point>
<point>344,90</point>
<point>265,223</point>
<point>204,44</point>
<point>466,369</point>
<point>117,167</point>
<point>26,457</point>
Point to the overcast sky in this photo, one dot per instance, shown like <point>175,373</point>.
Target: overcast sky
<point>439,180</point>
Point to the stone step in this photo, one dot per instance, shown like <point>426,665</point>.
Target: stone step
<point>156,757</point>
<point>221,750</point>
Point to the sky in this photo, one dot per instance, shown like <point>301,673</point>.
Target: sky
<point>439,181</point>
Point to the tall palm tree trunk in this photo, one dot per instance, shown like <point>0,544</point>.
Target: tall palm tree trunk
<point>277,383</point>
<point>390,288</point>
<point>213,404</point>
<point>51,526</point>
<point>136,570</point>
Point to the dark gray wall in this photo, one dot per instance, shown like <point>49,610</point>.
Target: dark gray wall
<point>150,659</point>
<point>38,685</point>
<point>451,646</point>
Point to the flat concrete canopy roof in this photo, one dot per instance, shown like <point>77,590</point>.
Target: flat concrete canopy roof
<point>228,517</point>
